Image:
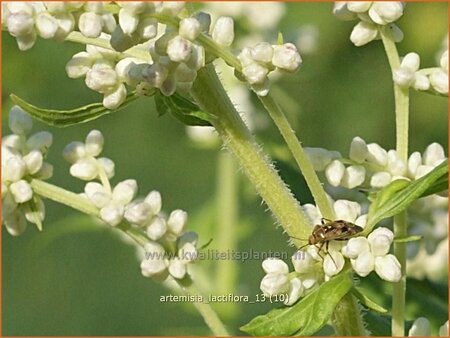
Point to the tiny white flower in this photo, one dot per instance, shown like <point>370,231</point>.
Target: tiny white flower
<point>295,291</point>
<point>107,165</point>
<point>114,98</point>
<point>14,169</point>
<point>443,330</point>
<point>138,212</point>
<point>380,245</point>
<point>334,172</point>
<point>358,150</point>
<point>319,157</point>
<point>364,263</point>
<point>347,210</point>
<point>97,194</point>
<point>153,199</point>
<point>377,154</point>
<point>388,268</point>
<point>125,191</point>
<point>262,52</point>
<point>342,12</point>
<point>147,28</point>
<point>157,228</point>
<point>90,24</point>
<point>79,65</point>
<point>414,161</point>
<point>355,247</point>
<point>85,169</point>
<point>439,81</point>
<point>37,212</point>
<point>177,268</point>
<point>434,154</point>
<point>154,262</point>
<point>274,284</point>
<point>286,57</point>
<point>101,77</point>
<point>74,151</point>
<point>112,214</point>
<point>15,223</point>
<point>359,6</point>
<point>354,176</point>
<point>255,73</point>
<point>363,33</point>
<point>94,143</point>
<point>21,191</point>
<point>46,25</point>
<point>381,231</point>
<point>33,161</point>
<point>177,221</point>
<point>179,49</point>
<point>19,121</point>
<point>20,24</point>
<point>420,328</point>
<point>333,263</point>
<point>380,179</point>
<point>384,12</point>
<point>302,261</point>
<point>223,31</point>
<point>189,28</point>
<point>274,265</point>
<point>40,141</point>
<point>128,21</point>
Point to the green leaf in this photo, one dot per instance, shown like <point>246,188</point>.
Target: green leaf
<point>380,325</point>
<point>32,204</point>
<point>439,186</point>
<point>280,39</point>
<point>65,118</point>
<point>307,316</point>
<point>184,110</point>
<point>359,293</point>
<point>398,195</point>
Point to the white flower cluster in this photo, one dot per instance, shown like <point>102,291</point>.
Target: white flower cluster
<point>258,61</point>
<point>371,14</point>
<point>422,328</point>
<point>22,160</point>
<point>169,248</point>
<point>54,20</point>
<point>409,75</point>
<point>371,165</point>
<point>312,268</point>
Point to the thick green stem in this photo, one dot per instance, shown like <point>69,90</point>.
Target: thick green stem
<point>227,209</point>
<point>347,319</point>
<point>401,96</point>
<point>212,98</point>
<point>303,162</point>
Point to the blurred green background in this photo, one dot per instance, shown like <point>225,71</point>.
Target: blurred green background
<point>79,278</point>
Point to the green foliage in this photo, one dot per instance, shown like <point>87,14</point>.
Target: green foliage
<point>364,299</point>
<point>182,109</point>
<point>398,195</point>
<point>65,118</point>
<point>307,316</point>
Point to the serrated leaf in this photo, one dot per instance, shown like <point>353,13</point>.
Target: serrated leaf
<point>359,293</point>
<point>398,195</point>
<point>307,316</point>
<point>65,118</point>
<point>184,110</point>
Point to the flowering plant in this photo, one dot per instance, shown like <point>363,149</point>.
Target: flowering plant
<point>172,52</point>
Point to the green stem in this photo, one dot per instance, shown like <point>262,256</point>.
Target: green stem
<point>347,319</point>
<point>227,209</point>
<point>212,98</point>
<point>206,311</point>
<point>401,96</point>
<point>303,162</point>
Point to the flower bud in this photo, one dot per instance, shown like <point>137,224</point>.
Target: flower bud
<point>154,263</point>
<point>128,21</point>
<point>19,121</point>
<point>138,213</point>
<point>414,161</point>
<point>190,28</point>
<point>403,77</point>
<point>274,284</point>
<point>286,57</point>
<point>434,155</point>
<point>94,143</point>
<point>113,99</point>
<point>38,212</point>
<point>380,245</point>
<point>347,210</point>
<point>411,61</point>
<point>157,228</point>
<point>21,191</point>
<point>420,328</point>
<point>295,291</point>
<point>46,25</point>
<point>101,77</point>
<point>302,261</point>
<point>20,24</point>
<point>84,169</point>
<point>79,65</point>
<point>125,191</point>
<point>15,223</point>
<point>364,263</point>
<point>274,265</point>
<point>147,28</point>
<point>380,179</point>
<point>177,268</point>
<point>333,263</point>
<point>14,169</point>
<point>439,81</point>
<point>388,268</point>
<point>363,33</point>
<point>33,161</point>
<point>223,31</point>
<point>97,194</point>
<point>355,247</point>
<point>319,157</point>
<point>359,6</point>
<point>90,24</point>
<point>341,11</point>
<point>255,73</point>
<point>377,154</point>
<point>179,49</point>
<point>112,214</point>
<point>384,12</point>
<point>177,221</point>
<point>354,176</point>
<point>153,199</point>
<point>262,52</point>
<point>334,172</point>
<point>40,141</point>
<point>358,150</point>
<point>74,151</point>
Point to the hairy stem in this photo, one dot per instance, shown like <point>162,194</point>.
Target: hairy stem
<point>401,96</point>
<point>303,162</point>
<point>347,319</point>
<point>212,98</point>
